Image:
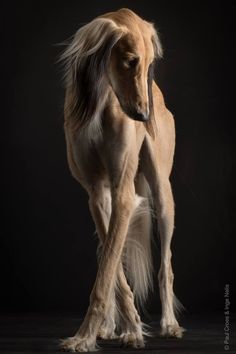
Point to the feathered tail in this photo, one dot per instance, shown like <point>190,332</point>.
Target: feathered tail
<point>137,255</point>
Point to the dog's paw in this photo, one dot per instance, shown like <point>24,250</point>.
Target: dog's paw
<point>132,339</point>
<point>172,331</point>
<point>106,333</point>
<point>107,330</point>
<point>78,344</point>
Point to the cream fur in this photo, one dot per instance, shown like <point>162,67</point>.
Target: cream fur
<point>122,163</point>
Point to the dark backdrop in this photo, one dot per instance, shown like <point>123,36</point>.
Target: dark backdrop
<point>48,244</point>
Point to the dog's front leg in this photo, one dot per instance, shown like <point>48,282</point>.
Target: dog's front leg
<point>122,316</point>
<point>123,195</point>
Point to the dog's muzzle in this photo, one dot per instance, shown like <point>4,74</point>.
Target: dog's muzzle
<point>140,116</point>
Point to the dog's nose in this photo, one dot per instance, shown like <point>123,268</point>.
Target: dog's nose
<point>142,116</point>
<point>137,114</point>
<point>142,111</point>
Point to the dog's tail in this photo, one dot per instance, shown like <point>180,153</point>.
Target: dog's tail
<point>137,255</point>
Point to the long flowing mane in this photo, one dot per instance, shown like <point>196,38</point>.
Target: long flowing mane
<point>86,60</point>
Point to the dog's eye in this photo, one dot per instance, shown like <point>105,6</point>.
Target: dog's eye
<point>132,63</point>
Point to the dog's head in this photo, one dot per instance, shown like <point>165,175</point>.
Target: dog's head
<point>131,65</point>
<point>116,50</point>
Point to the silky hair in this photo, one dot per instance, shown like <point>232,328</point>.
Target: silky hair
<point>120,141</point>
<point>85,60</point>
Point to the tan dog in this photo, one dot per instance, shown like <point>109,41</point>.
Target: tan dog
<point>120,145</point>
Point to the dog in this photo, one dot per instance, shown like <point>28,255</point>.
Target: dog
<point>120,140</point>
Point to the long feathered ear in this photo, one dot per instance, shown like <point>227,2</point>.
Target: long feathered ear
<point>86,60</point>
<point>151,126</point>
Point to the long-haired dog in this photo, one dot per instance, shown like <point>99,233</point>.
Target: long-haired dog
<point>120,144</point>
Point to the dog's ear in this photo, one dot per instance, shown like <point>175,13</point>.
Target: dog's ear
<point>86,60</point>
<point>151,125</point>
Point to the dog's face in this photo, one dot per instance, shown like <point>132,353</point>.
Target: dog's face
<point>131,74</point>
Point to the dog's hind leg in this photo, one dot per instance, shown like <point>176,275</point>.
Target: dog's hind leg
<point>159,183</point>
<point>165,216</point>
<point>130,323</point>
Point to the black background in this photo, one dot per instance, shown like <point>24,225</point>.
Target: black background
<point>48,246</point>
